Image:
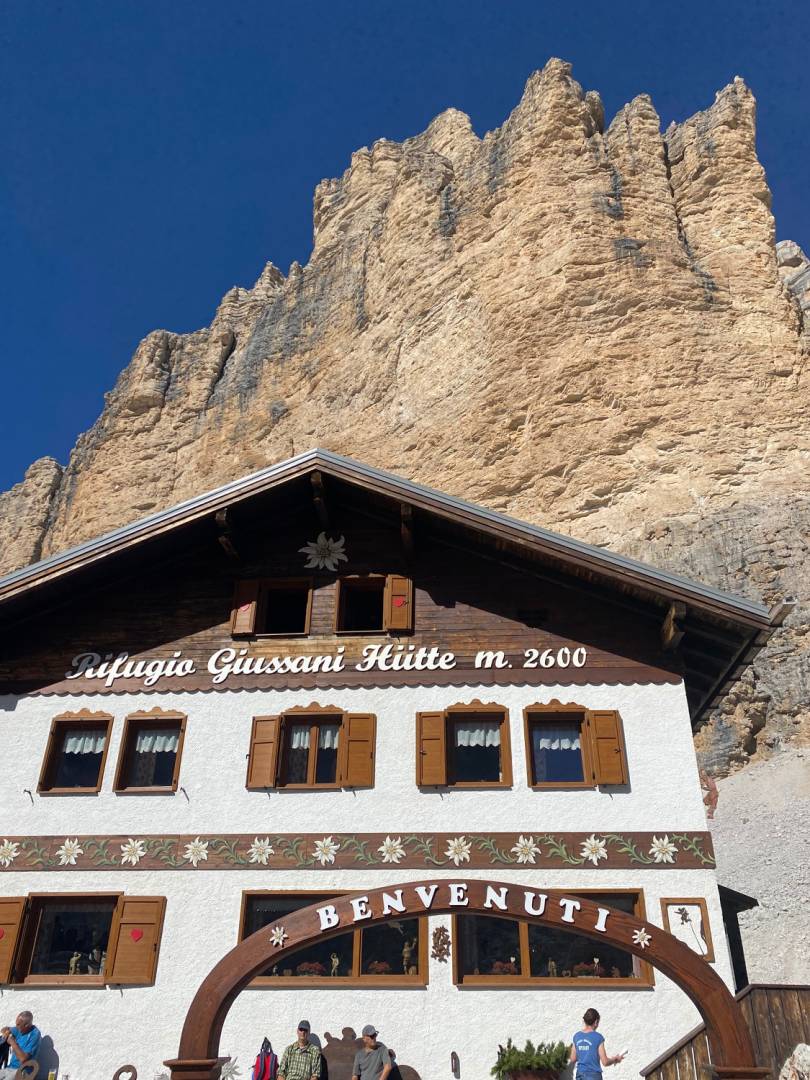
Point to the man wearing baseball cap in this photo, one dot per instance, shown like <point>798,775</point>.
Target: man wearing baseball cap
<point>302,1059</point>
<point>373,1062</point>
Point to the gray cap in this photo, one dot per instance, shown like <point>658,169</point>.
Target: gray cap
<point>303,1025</point>
<point>369,1029</point>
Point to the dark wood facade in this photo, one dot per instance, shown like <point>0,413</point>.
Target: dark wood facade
<point>463,600</point>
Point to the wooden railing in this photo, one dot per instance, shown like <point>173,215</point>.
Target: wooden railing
<point>779,1019</point>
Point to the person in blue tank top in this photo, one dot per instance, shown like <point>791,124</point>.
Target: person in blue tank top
<point>588,1049</point>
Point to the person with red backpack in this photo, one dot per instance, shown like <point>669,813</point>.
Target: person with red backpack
<point>266,1065</point>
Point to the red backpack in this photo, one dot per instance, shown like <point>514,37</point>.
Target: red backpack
<point>266,1065</point>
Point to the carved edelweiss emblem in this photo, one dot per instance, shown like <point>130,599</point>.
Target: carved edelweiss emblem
<point>441,944</point>
<point>324,553</point>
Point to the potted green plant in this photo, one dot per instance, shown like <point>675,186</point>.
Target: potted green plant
<point>542,1062</point>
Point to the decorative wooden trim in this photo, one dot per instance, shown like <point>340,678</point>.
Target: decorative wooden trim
<point>462,675</point>
<point>153,716</point>
<point>73,719</point>
<point>553,708</point>
<point>699,901</point>
<point>644,981</point>
<point>527,850</point>
<point>339,981</point>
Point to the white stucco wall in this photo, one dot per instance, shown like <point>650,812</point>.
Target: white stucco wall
<point>664,788</point>
<point>96,1030</point>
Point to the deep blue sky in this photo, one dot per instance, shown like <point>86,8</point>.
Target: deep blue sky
<point>157,153</point>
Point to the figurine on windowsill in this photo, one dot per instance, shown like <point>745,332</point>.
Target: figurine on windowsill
<point>615,973</point>
<point>407,953</point>
<point>335,960</point>
<point>73,964</point>
<point>95,961</point>
<point>552,969</point>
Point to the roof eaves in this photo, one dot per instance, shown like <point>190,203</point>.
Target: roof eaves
<point>566,549</point>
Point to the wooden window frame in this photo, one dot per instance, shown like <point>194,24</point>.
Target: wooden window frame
<point>327,982</point>
<point>321,714</point>
<point>697,901</point>
<point>590,780</point>
<point>645,980</point>
<point>154,717</point>
<point>263,588</point>
<point>367,580</point>
<point>27,936</point>
<point>363,581</point>
<point>82,718</point>
<point>456,711</point>
<point>295,715</point>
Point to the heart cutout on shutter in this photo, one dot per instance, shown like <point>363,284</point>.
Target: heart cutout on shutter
<point>399,601</point>
<point>2,933</point>
<point>136,934</point>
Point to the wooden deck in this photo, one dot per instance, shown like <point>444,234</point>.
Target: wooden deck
<point>779,1019</point>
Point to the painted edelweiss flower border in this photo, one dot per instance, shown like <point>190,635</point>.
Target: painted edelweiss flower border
<point>414,850</point>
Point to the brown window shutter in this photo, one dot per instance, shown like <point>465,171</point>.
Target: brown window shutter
<point>431,750</point>
<point>12,910</point>
<point>607,747</point>
<point>357,737</point>
<point>263,759</point>
<point>245,604</point>
<point>398,603</point>
<point>134,940</point>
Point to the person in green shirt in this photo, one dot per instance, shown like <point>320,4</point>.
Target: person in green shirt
<point>302,1059</point>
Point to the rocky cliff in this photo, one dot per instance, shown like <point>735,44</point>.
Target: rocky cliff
<point>585,326</point>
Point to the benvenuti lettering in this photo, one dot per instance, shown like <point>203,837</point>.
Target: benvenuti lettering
<point>569,907</point>
<point>496,898</point>
<point>602,920</point>
<point>328,916</point>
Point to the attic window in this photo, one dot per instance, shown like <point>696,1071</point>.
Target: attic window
<point>276,607</point>
<point>361,605</point>
<point>374,604</point>
<point>284,608</point>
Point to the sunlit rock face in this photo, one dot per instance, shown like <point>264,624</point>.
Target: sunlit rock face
<point>585,326</point>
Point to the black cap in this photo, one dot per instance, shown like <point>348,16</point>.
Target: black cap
<point>303,1025</point>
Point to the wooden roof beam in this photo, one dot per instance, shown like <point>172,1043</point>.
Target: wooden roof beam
<point>672,627</point>
<point>226,537</point>
<point>319,498</point>
<point>406,530</point>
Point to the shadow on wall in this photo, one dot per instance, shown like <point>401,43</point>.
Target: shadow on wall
<point>339,1057</point>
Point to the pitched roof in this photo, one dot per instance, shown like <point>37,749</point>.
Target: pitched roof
<point>750,623</point>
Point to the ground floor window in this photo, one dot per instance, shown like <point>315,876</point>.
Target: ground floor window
<point>75,940</point>
<point>70,937</point>
<point>392,953</point>
<point>489,950</point>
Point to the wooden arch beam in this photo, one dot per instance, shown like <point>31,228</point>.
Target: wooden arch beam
<point>730,1040</point>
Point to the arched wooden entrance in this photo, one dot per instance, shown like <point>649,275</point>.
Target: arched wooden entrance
<point>730,1040</point>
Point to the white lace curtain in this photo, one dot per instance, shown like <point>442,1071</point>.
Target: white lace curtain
<point>550,737</point>
<point>327,736</point>
<point>157,741</point>
<point>87,741</point>
<point>478,733</point>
